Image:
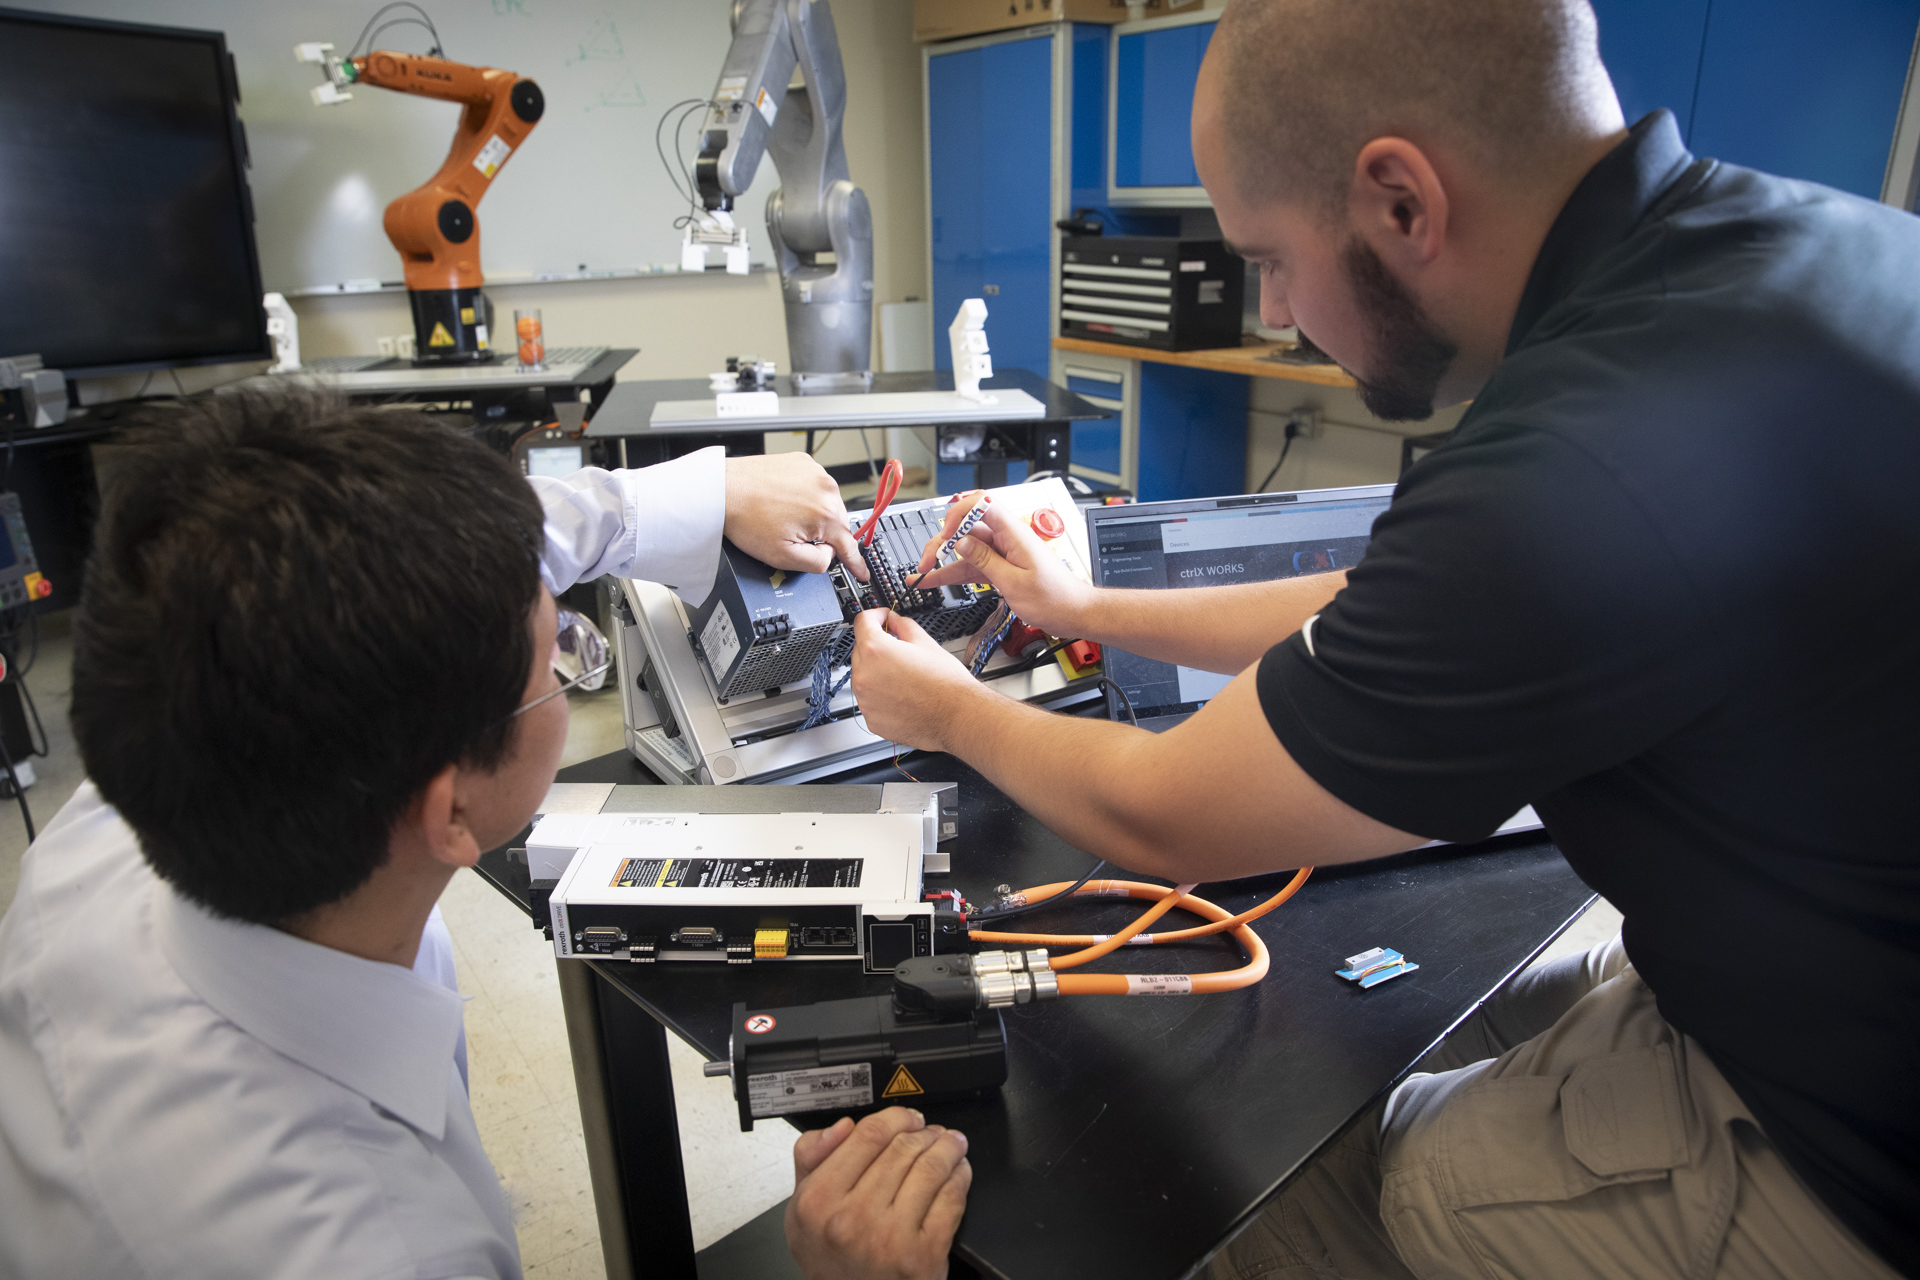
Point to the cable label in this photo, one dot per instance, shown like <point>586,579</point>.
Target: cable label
<point>1159,984</point>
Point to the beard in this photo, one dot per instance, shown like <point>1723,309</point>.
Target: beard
<point>1408,354</point>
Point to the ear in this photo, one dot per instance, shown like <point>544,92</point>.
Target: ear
<point>1398,204</point>
<point>440,822</point>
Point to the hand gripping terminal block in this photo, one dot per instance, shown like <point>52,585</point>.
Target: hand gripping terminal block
<point>750,685</point>
<point>938,1035</point>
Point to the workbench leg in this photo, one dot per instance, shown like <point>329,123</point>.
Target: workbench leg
<point>632,1130</point>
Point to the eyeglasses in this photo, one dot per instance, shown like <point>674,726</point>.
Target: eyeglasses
<point>580,679</point>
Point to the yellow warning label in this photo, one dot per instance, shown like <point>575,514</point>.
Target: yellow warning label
<point>440,338</point>
<point>779,576</point>
<point>902,1083</point>
<point>466,315</point>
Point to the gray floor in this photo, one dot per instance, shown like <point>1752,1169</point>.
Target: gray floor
<point>522,1078</point>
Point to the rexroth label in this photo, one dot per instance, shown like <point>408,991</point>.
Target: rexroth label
<point>1159,984</point>
<point>785,1093</point>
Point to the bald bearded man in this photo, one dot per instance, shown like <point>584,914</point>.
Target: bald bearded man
<point>1657,584</point>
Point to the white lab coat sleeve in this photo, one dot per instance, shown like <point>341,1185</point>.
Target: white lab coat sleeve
<point>661,523</point>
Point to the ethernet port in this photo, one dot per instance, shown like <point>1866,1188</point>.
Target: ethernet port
<point>813,937</point>
<point>842,937</point>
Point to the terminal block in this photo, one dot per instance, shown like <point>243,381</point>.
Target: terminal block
<point>893,556</point>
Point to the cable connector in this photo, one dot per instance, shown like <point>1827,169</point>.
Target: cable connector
<point>1003,978</point>
<point>956,984</point>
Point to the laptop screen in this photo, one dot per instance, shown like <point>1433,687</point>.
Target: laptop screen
<point>1207,542</point>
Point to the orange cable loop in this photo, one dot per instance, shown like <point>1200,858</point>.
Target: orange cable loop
<point>1166,899</point>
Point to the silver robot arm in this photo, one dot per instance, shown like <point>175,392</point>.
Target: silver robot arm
<point>817,211</point>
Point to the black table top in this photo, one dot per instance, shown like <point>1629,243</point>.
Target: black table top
<point>1136,1134</point>
<point>429,388</point>
<point>628,408</point>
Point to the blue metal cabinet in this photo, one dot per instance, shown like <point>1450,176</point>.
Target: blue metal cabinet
<point>1017,136</point>
<point>1652,51</point>
<point>990,186</point>
<point>1100,448</point>
<point>1193,432</point>
<point>1808,91</point>
<point>1177,432</point>
<point>1153,105</point>
<point>1155,65</point>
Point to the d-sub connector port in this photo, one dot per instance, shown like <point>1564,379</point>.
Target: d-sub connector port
<point>602,939</point>
<point>698,935</point>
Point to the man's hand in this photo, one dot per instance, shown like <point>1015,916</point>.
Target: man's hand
<point>907,686</point>
<point>880,1199</point>
<point>1004,551</point>
<point>785,510</point>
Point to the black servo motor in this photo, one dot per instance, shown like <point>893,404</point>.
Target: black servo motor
<point>939,1035</point>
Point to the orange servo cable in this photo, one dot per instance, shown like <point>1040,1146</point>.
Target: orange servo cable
<point>1165,900</point>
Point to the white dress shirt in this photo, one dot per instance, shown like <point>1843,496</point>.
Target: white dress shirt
<point>183,1096</point>
<point>661,523</point>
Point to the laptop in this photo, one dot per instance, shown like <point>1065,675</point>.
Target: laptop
<point>1207,542</point>
<point>1210,542</point>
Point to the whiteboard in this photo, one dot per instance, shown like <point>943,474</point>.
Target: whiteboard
<point>586,192</point>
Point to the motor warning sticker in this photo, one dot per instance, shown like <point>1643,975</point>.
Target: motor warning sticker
<point>902,1085</point>
<point>781,1093</point>
<point>738,873</point>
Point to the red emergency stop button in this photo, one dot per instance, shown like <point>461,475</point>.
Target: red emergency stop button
<point>1047,523</point>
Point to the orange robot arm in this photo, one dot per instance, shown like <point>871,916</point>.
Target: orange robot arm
<point>434,227</point>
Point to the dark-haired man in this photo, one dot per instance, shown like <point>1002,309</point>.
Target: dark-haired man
<point>311,680</point>
<point>1658,583</point>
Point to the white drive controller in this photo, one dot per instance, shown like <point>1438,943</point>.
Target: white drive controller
<point>800,884</point>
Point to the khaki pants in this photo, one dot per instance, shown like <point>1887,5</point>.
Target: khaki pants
<point>1586,1139</point>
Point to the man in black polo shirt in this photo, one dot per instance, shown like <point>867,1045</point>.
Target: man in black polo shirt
<point>1659,583</point>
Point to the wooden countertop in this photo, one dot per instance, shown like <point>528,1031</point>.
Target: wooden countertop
<point>1248,360</point>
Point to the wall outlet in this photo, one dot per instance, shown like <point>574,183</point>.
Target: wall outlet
<point>385,345</point>
<point>1303,423</point>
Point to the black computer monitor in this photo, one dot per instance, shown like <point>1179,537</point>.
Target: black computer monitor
<point>126,228</point>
